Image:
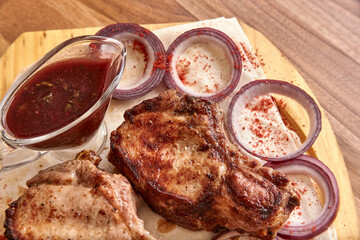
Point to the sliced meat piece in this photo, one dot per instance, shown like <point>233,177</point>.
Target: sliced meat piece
<point>176,154</point>
<point>75,200</point>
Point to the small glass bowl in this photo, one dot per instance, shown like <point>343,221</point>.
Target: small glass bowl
<point>81,130</point>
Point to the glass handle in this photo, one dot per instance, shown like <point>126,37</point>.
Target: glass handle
<point>11,158</point>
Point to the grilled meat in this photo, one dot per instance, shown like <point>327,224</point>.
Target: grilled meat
<point>75,200</point>
<point>175,152</point>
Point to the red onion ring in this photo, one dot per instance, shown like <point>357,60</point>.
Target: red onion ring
<point>209,35</point>
<point>322,175</point>
<point>227,234</point>
<point>267,86</point>
<point>154,49</point>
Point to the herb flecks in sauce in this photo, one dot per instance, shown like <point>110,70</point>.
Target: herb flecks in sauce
<point>57,95</point>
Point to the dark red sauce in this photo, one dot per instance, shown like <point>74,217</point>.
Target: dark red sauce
<point>57,95</point>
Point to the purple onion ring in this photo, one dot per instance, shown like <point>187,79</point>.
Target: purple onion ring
<point>268,86</point>
<point>198,35</point>
<point>322,175</point>
<point>154,48</point>
<point>227,235</point>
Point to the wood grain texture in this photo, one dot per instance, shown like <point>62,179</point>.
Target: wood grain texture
<point>321,39</point>
<point>33,45</point>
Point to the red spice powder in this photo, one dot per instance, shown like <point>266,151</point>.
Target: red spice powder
<point>247,52</point>
<point>243,58</point>
<point>182,69</point>
<point>257,129</point>
<point>303,191</point>
<point>208,90</point>
<point>169,57</point>
<point>206,67</point>
<point>262,106</point>
<point>237,66</point>
<point>262,132</point>
<point>281,103</point>
<point>138,46</point>
<point>141,48</point>
<point>140,33</point>
<point>159,62</point>
<point>259,57</point>
<point>297,193</point>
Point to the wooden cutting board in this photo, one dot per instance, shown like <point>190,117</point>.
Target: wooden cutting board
<point>30,46</point>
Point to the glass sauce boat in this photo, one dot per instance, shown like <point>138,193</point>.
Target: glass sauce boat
<point>58,105</point>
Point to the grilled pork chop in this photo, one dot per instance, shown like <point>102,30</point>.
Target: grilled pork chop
<point>176,154</point>
<point>75,200</point>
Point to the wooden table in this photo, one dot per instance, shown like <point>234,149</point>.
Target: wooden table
<point>321,39</point>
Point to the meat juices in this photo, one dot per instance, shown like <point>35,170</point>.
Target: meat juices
<point>175,152</point>
<point>76,200</point>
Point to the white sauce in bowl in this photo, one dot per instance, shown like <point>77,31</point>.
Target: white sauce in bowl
<point>202,67</point>
<point>139,61</point>
<point>310,205</point>
<point>260,127</point>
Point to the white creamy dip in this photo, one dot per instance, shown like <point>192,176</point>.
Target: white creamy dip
<point>310,205</point>
<point>260,127</point>
<point>203,67</point>
<point>139,61</point>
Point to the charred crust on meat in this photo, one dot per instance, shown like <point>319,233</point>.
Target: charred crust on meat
<point>252,164</point>
<point>280,179</point>
<point>126,163</point>
<point>151,146</point>
<point>292,203</point>
<point>180,160</point>
<point>102,212</point>
<point>10,232</point>
<point>211,177</point>
<point>204,147</point>
<point>128,115</point>
<point>232,154</point>
<point>52,199</point>
<point>265,213</point>
<point>270,233</point>
<point>88,155</point>
<point>151,105</point>
<point>179,94</point>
